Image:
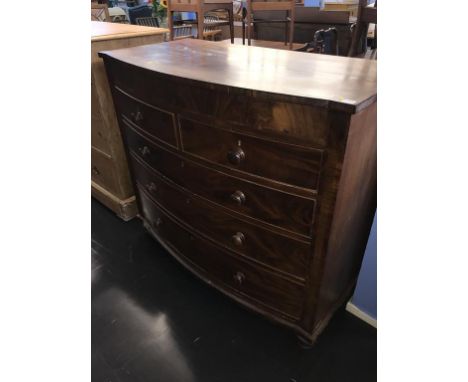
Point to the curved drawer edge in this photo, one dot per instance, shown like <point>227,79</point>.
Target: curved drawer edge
<point>269,312</point>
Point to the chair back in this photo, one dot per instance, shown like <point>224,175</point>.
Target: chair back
<point>366,15</point>
<point>139,11</point>
<point>100,12</point>
<point>147,21</point>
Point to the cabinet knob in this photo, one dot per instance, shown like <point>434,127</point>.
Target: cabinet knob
<point>238,197</point>
<point>137,116</point>
<point>239,277</point>
<point>151,187</point>
<point>157,222</point>
<point>144,150</point>
<point>236,156</point>
<point>238,239</point>
<point>95,170</point>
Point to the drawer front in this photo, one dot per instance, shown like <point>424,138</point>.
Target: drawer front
<point>274,207</point>
<point>249,282</point>
<point>159,124</point>
<point>286,163</point>
<point>277,251</point>
<point>103,171</point>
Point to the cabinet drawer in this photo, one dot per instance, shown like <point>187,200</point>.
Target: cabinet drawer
<point>103,171</point>
<point>159,124</point>
<point>291,212</point>
<point>223,269</point>
<point>274,250</point>
<point>286,163</point>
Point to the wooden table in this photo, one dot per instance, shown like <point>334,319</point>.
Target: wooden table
<point>110,181</point>
<point>264,44</point>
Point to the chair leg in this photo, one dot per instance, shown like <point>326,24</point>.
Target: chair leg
<point>243,32</point>
<point>249,26</point>
<point>170,25</point>
<point>291,30</point>
<point>200,24</point>
<point>231,23</point>
<point>286,28</point>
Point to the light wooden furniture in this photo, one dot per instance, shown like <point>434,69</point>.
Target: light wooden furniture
<point>271,5</point>
<point>350,6</point>
<point>110,182</point>
<point>200,7</point>
<point>254,167</point>
<point>366,15</point>
<point>100,12</point>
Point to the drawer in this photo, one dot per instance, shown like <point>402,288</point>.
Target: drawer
<point>277,251</point>
<point>157,123</point>
<point>219,267</point>
<point>103,171</point>
<point>286,163</point>
<point>290,212</point>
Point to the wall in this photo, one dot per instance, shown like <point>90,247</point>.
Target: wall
<point>365,294</point>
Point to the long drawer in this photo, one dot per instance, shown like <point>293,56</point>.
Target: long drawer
<point>158,123</point>
<point>266,247</point>
<point>222,268</point>
<point>291,212</point>
<point>286,163</point>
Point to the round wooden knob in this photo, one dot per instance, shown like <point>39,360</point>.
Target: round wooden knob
<point>137,116</point>
<point>238,197</point>
<point>239,277</point>
<point>238,239</point>
<point>144,150</point>
<point>95,170</point>
<point>151,187</point>
<point>157,222</point>
<point>236,156</point>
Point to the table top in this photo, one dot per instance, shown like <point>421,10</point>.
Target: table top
<point>109,31</point>
<point>339,83</point>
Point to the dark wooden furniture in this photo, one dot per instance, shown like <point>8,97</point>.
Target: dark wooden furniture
<point>288,6</point>
<point>255,168</point>
<point>366,15</point>
<point>200,7</point>
<point>110,179</point>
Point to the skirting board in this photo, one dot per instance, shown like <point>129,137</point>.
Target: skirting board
<point>353,309</point>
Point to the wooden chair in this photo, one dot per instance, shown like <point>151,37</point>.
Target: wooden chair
<point>200,7</point>
<point>366,15</point>
<point>100,12</point>
<point>270,5</point>
<point>139,11</point>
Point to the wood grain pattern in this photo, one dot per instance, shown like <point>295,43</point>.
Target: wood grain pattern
<point>243,278</point>
<point>330,81</point>
<point>296,165</point>
<point>277,251</point>
<point>283,210</point>
<point>280,226</point>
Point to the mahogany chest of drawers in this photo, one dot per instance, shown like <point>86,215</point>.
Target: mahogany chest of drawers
<point>110,179</point>
<point>254,167</point>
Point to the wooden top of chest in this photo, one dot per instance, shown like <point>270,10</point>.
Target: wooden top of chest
<point>110,31</point>
<point>338,83</point>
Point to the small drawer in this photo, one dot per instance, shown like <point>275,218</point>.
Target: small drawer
<point>290,212</point>
<point>266,247</point>
<point>220,267</point>
<point>158,123</point>
<point>103,171</point>
<point>291,164</point>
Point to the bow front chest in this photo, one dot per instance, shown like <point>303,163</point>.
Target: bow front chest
<point>254,167</point>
